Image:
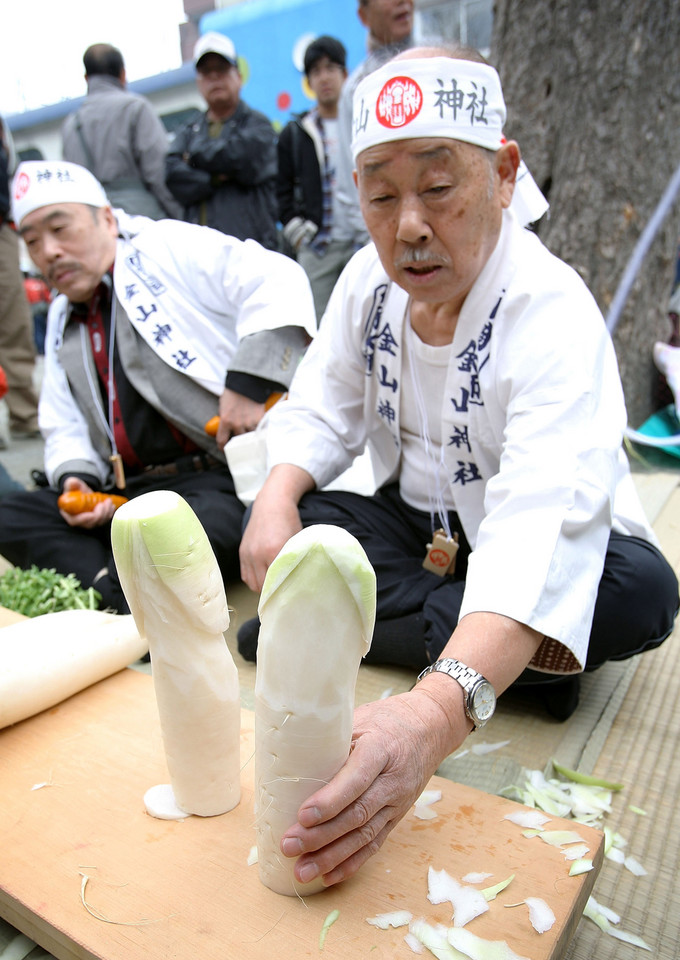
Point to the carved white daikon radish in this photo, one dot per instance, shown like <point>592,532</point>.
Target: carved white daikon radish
<point>46,659</point>
<point>174,588</point>
<point>317,611</point>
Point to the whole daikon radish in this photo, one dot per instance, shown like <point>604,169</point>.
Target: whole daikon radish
<point>317,611</point>
<point>45,659</point>
<point>174,588</point>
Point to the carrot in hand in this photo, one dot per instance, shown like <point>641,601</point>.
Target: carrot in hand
<point>213,424</point>
<point>75,501</point>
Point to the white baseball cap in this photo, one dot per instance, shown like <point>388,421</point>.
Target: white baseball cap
<point>40,183</point>
<point>218,43</point>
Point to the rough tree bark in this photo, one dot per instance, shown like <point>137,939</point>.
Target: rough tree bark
<point>593,94</point>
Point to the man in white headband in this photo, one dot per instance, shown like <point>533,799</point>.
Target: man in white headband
<point>506,535</point>
<point>160,327</point>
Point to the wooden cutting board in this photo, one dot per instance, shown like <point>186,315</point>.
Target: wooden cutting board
<point>8,617</point>
<point>72,781</point>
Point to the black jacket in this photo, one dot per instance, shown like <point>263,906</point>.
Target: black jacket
<point>244,153</point>
<point>298,186</point>
<point>4,177</point>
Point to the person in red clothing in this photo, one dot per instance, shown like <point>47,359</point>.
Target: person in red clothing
<point>39,298</point>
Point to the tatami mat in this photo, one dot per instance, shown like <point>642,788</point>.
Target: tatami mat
<point>641,751</point>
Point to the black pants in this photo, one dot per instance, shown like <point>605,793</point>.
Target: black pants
<point>417,610</point>
<point>33,531</point>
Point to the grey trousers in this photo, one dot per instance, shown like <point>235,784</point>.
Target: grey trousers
<point>17,350</point>
<point>323,272</point>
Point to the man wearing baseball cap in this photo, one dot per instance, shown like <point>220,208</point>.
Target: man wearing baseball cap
<point>159,327</point>
<point>221,166</point>
<point>506,535</point>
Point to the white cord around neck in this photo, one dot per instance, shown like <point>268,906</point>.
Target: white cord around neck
<point>433,467</point>
<point>96,395</point>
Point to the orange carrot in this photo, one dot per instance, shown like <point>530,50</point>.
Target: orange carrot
<point>75,501</point>
<point>213,424</point>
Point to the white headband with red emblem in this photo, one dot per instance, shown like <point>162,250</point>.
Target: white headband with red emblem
<point>40,183</point>
<point>439,97</point>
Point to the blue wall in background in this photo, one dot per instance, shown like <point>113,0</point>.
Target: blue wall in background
<point>270,38</point>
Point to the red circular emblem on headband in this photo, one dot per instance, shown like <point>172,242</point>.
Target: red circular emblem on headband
<point>23,183</point>
<point>399,102</point>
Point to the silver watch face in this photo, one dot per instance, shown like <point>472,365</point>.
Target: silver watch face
<point>483,702</point>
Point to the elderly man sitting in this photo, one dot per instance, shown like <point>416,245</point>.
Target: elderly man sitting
<point>159,327</point>
<point>505,532</point>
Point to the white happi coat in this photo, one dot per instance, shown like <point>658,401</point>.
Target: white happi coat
<point>531,423</point>
<point>192,294</point>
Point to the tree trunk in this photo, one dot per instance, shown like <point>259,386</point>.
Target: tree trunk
<point>593,94</point>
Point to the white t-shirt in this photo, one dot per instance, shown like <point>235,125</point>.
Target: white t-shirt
<point>422,477</point>
<point>331,130</point>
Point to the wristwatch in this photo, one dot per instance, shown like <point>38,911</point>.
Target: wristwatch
<point>480,696</point>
